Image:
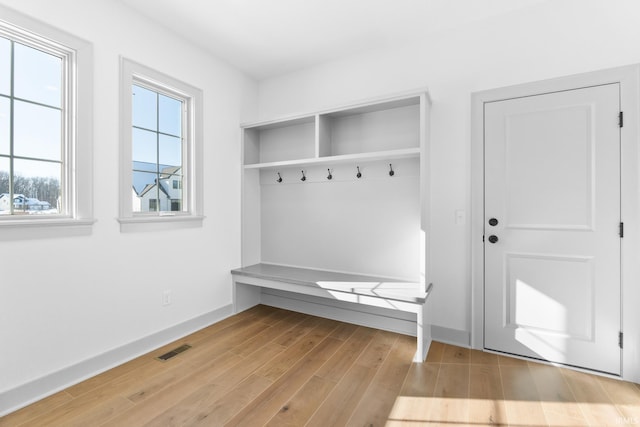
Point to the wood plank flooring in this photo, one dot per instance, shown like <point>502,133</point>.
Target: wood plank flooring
<point>274,367</point>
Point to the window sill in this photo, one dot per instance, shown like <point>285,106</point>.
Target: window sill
<point>34,228</point>
<point>159,222</point>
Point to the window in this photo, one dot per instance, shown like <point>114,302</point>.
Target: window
<point>31,161</point>
<point>45,125</point>
<point>160,142</point>
<point>157,145</point>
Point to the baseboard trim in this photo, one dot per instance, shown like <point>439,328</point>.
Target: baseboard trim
<point>25,394</point>
<point>373,317</point>
<point>451,336</point>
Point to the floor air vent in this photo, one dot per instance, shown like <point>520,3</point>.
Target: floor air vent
<point>173,353</point>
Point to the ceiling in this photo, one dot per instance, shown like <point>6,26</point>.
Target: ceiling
<point>266,38</point>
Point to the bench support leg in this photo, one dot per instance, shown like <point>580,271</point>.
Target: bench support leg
<point>245,296</point>
<point>423,334</point>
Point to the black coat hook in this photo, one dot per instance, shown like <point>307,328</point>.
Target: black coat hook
<point>304,178</point>
<point>391,172</point>
<point>358,175</point>
<point>329,176</point>
<point>279,178</point>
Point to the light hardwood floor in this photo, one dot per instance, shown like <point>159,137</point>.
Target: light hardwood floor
<point>279,368</point>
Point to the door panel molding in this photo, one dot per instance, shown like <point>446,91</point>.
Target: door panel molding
<point>628,77</point>
<point>515,320</point>
<point>576,213</point>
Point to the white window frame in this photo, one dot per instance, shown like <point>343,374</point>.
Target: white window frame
<point>77,138</point>
<point>135,73</point>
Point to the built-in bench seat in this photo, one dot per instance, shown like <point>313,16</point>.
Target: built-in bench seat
<point>369,290</point>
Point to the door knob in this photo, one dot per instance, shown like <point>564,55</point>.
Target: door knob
<point>493,222</point>
<point>493,238</point>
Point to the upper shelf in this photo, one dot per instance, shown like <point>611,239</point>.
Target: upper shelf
<point>344,158</point>
<point>384,129</point>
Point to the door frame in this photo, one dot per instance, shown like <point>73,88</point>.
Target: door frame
<point>629,79</point>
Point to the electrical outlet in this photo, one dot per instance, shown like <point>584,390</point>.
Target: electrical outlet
<point>166,297</point>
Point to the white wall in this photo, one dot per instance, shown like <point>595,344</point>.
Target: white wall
<point>67,300</point>
<point>368,226</point>
<point>551,39</point>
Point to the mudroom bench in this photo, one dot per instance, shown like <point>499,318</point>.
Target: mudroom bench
<point>368,290</point>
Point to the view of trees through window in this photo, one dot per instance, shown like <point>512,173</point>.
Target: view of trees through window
<point>157,147</point>
<point>31,138</point>
<point>45,190</point>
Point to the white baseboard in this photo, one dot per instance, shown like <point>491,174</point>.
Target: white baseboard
<point>25,394</point>
<point>450,336</point>
<point>373,317</point>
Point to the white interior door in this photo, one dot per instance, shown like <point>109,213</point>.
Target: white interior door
<point>552,259</point>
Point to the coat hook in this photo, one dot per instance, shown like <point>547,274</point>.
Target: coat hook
<point>304,178</point>
<point>279,177</point>
<point>358,175</point>
<point>329,176</point>
<point>391,172</point>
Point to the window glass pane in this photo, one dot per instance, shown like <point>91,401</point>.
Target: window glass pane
<point>173,186</point>
<point>170,151</point>
<point>36,187</point>
<point>157,151</point>
<point>143,181</point>
<point>5,204</point>
<point>170,117</point>
<point>145,108</point>
<point>37,131</point>
<point>4,125</point>
<point>145,167</point>
<point>144,189</point>
<point>145,146</point>
<point>5,66</point>
<point>37,76</point>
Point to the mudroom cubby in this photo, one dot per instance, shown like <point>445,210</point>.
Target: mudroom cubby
<point>380,127</point>
<point>343,190</point>
<point>304,204</point>
<point>280,141</point>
